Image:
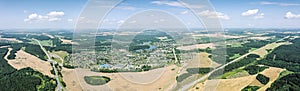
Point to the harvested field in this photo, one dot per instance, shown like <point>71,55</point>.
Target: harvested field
<point>260,38</point>
<point>197,46</point>
<point>11,39</point>
<point>8,53</point>
<point>217,35</point>
<point>71,80</point>
<point>24,59</point>
<point>202,60</point>
<point>123,81</point>
<point>235,84</point>
<point>65,41</point>
<point>273,73</point>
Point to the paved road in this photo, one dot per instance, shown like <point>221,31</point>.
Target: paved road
<point>187,86</point>
<point>59,86</point>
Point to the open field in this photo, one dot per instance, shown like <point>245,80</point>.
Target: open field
<point>217,35</point>
<point>62,54</point>
<point>262,52</point>
<point>123,81</point>
<point>24,60</point>
<point>50,36</point>
<point>260,38</point>
<point>273,73</point>
<point>8,53</point>
<point>202,60</point>
<point>11,39</point>
<point>43,42</point>
<point>65,41</point>
<point>235,84</point>
<point>197,46</point>
<point>205,61</point>
<point>71,80</point>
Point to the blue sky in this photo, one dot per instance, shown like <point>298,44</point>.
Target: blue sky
<point>232,13</point>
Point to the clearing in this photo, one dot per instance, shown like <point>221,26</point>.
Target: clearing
<point>65,41</point>
<point>197,46</point>
<point>24,59</point>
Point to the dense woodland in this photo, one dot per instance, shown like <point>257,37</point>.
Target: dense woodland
<point>246,61</point>
<point>288,53</point>
<point>192,71</point>
<point>254,69</point>
<point>285,56</point>
<point>251,88</point>
<point>250,59</point>
<point>289,82</point>
<point>262,79</point>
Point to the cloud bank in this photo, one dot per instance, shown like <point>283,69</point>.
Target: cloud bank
<point>51,16</point>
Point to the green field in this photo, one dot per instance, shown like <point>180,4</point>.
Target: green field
<point>43,42</point>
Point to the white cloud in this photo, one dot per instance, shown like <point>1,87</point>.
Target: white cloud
<point>169,3</point>
<point>212,14</point>
<point>290,15</point>
<point>259,16</point>
<point>55,14</point>
<point>35,17</point>
<point>54,19</point>
<point>120,21</point>
<point>70,20</point>
<point>278,3</point>
<point>175,4</point>
<point>51,16</point>
<point>184,12</point>
<point>88,20</point>
<point>250,12</point>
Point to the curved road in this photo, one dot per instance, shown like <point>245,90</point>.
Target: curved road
<point>59,86</point>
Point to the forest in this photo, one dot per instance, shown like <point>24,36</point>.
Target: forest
<point>251,88</point>
<point>192,71</point>
<point>254,69</point>
<point>249,59</point>
<point>262,79</point>
<point>288,53</point>
<point>243,62</point>
<point>289,82</point>
<point>285,56</point>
